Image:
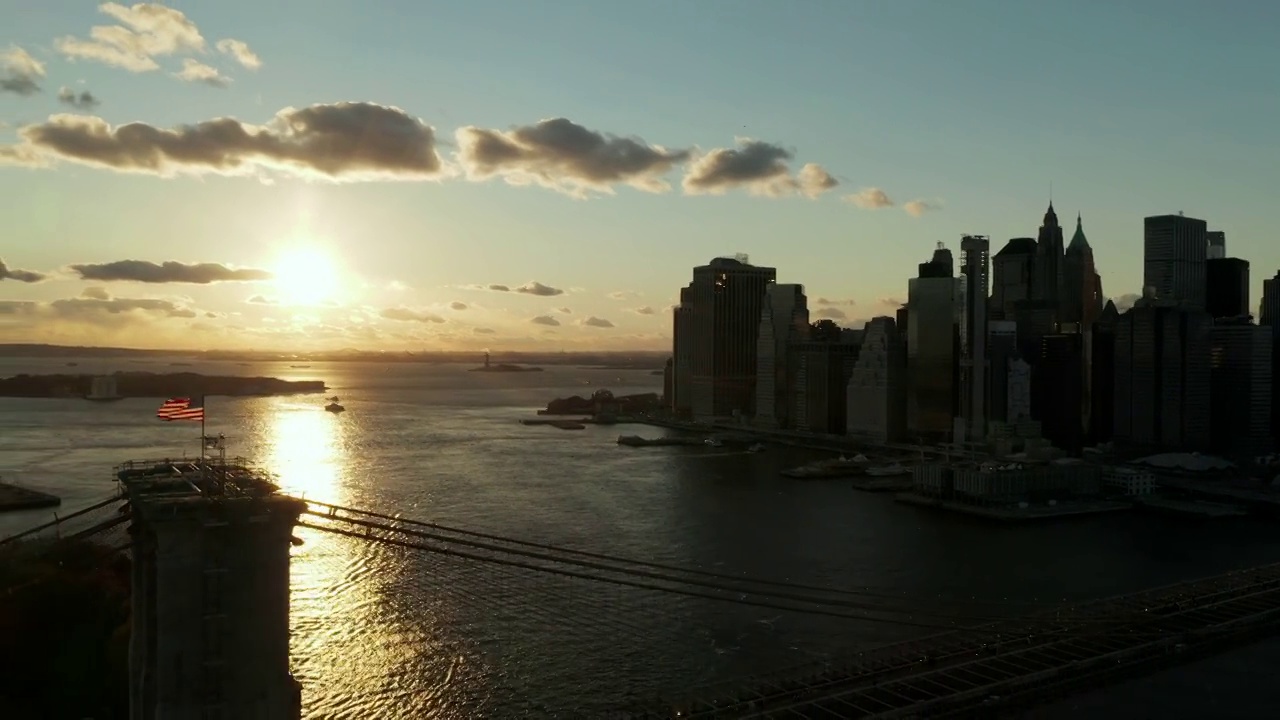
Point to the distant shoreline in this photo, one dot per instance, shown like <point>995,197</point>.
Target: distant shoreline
<point>155,385</point>
<point>610,360</point>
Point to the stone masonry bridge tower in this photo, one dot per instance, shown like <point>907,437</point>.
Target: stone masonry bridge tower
<point>210,627</point>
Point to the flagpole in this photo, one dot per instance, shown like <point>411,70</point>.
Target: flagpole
<point>203,411</point>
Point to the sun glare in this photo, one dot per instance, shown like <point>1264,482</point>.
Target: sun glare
<point>306,276</point>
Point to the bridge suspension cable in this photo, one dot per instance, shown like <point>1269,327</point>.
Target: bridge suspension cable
<point>411,537</point>
<point>667,567</point>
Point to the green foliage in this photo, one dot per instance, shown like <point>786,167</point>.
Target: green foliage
<point>64,631</point>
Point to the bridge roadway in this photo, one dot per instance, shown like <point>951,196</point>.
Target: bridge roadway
<point>1017,662</point>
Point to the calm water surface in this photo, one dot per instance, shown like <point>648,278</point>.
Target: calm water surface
<point>389,633</point>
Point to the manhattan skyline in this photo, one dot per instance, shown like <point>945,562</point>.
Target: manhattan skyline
<point>378,176</point>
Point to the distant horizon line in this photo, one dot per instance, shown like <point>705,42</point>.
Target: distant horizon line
<point>63,349</point>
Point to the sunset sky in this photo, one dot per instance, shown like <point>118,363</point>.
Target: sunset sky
<point>544,174</point>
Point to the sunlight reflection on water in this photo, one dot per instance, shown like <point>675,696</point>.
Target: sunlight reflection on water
<point>350,649</point>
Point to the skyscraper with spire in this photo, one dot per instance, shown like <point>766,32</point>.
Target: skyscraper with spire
<point>1047,286</point>
<point>1082,287</point>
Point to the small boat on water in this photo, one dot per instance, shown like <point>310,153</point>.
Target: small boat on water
<point>712,442</point>
<point>333,406</point>
<point>758,447</point>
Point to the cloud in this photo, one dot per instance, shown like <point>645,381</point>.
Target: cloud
<point>483,331</point>
<point>536,288</point>
<point>19,72</point>
<point>561,155</point>
<point>194,71</point>
<point>759,167</point>
<point>406,315</point>
<point>83,308</point>
<point>813,180</point>
<point>95,293</point>
<point>892,302</point>
<point>83,100</point>
<point>564,310</point>
<point>167,272</point>
<point>262,300</point>
<point>831,313</point>
<point>872,198</point>
<point>342,141</point>
<point>545,320</point>
<point>619,295</point>
<point>456,305</point>
<point>22,276</point>
<point>147,30</point>
<point>239,50</point>
<point>1126,301</point>
<point>828,301</point>
<point>646,310</point>
<point>595,322</point>
<point>916,208</point>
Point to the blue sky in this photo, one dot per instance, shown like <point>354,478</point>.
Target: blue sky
<point>976,108</point>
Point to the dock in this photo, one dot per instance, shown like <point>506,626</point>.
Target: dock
<point>14,498</point>
<point>1015,513</point>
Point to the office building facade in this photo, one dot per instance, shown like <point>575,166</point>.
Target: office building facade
<point>1012,271</point>
<point>726,296</point>
<point>822,372</point>
<point>1240,361</point>
<point>1162,377</point>
<point>1227,287</point>
<point>784,321</point>
<point>1173,259</point>
<point>876,394</point>
<point>1082,286</point>
<point>974,267</point>
<point>932,303</point>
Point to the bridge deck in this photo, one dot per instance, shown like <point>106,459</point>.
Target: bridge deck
<point>957,671</point>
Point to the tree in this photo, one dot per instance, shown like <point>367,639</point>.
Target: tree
<point>824,330</point>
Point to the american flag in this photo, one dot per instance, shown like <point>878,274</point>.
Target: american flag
<point>182,409</point>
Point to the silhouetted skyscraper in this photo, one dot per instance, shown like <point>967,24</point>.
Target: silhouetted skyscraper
<point>1082,287</point>
<point>1240,354</point>
<point>1269,315</point>
<point>1102,374</point>
<point>1057,390</point>
<point>821,378</point>
<point>1048,283</point>
<point>932,302</point>
<point>1162,380</point>
<point>683,342</point>
<point>1227,287</point>
<point>1173,259</point>
<point>726,295</point>
<point>1002,349</point>
<point>876,393</point>
<point>974,251</point>
<point>1012,273</point>
<point>784,320</point>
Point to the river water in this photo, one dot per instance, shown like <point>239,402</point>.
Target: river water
<point>394,633</point>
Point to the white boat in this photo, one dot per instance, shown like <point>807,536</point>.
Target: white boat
<point>712,442</point>
<point>758,447</point>
<point>103,389</point>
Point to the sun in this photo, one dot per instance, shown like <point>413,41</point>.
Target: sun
<point>306,276</point>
